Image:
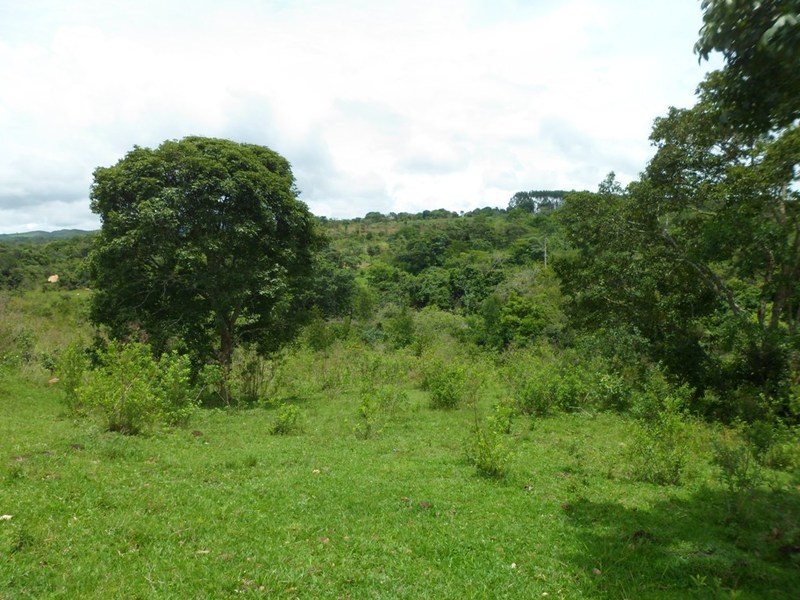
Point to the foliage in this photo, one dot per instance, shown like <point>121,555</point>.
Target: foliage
<point>658,452</point>
<point>446,382</point>
<point>700,256</point>
<point>250,376</point>
<point>331,286</point>
<point>738,466</point>
<point>434,327</point>
<point>121,390</point>
<point>132,391</point>
<point>177,397</point>
<point>72,366</point>
<point>502,416</point>
<point>204,241</point>
<point>288,420</point>
<point>376,407</point>
<point>487,450</point>
<point>536,200</point>
<point>759,85</point>
<point>26,265</point>
<point>399,326</point>
<point>544,381</point>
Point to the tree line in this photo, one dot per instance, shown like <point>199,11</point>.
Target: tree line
<point>695,267</point>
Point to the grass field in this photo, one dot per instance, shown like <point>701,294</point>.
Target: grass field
<point>224,509</point>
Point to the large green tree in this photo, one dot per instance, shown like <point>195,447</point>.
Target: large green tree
<point>701,256</point>
<point>759,86</point>
<point>203,243</point>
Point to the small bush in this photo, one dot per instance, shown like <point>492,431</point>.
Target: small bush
<point>122,389</point>
<point>487,451</point>
<point>319,335</point>
<point>773,443</point>
<point>502,416</point>
<point>543,382</point>
<point>288,420</point>
<point>376,408</point>
<point>368,417</point>
<point>178,399</point>
<point>658,396</point>
<point>132,391</point>
<point>399,327</point>
<point>739,469</point>
<point>251,375</point>
<point>446,384</point>
<point>659,451</point>
<point>71,372</point>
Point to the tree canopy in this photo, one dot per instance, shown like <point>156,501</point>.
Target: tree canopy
<point>759,86</point>
<point>203,241</point>
<point>701,256</point>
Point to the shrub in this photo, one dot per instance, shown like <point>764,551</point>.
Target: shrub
<point>376,408</point>
<point>132,391</point>
<point>486,449</point>
<point>773,443</point>
<point>543,382</point>
<point>659,449</point>
<point>399,327</point>
<point>122,389</point>
<point>71,371</point>
<point>658,395</point>
<point>739,469</point>
<point>319,335</point>
<point>433,326</point>
<point>446,383</point>
<point>178,399</point>
<point>501,417</point>
<point>251,375</point>
<point>288,420</point>
<point>368,417</point>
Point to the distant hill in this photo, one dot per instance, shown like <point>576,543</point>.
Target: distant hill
<point>43,236</point>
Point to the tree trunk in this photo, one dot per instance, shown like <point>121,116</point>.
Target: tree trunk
<point>225,356</point>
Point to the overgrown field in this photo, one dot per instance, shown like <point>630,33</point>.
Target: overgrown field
<point>363,472</point>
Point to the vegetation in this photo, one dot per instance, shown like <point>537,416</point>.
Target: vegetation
<point>582,395</point>
<point>203,245</point>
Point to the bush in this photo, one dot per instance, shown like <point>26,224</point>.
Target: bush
<point>122,389</point>
<point>543,382</point>
<point>251,375</point>
<point>658,395</point>
<point>319,335</point>
<point>501,418</point>
<point>739,469</point>
<point>433,326</point>
<point>71,372</point>
<point>399,327</point>
<point>132,391</point>
<point>446,383</point>
<point>178,399</point>
<point>376,408</point>
<point>288,420</point>
<point>659,451</point>
<point>486,447</point>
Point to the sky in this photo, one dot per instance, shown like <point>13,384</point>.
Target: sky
<point>379,105</point>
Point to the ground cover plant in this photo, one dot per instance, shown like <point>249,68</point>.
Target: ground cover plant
<point>221,508</point>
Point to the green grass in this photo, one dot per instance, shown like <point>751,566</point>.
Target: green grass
<point>223,509</point>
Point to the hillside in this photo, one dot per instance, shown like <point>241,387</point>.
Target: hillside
<point>43,236</point>
<point>444,426</point>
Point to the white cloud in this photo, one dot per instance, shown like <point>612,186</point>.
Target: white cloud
<point>390,106</point>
